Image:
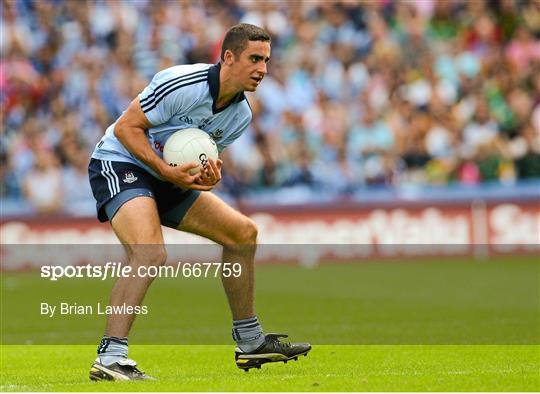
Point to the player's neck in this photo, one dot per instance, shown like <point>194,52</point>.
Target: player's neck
<point>227,89</point>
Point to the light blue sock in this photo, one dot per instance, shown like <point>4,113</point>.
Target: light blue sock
<point>248,334</point>
<point>112,349</point>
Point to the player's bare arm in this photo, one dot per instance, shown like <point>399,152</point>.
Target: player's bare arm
<point>130,131</point>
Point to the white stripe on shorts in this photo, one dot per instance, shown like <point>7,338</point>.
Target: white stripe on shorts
<point>116,182</point>
<point>108,177</point>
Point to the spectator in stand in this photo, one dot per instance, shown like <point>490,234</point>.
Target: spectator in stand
<point>380,92</point>
<point>523,50</point>
<point>42,185</point>
<point>481,129</point>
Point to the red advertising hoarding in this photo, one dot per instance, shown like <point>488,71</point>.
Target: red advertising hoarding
<point>361,232</point>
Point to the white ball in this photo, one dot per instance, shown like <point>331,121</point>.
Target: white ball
<point>190,146</point>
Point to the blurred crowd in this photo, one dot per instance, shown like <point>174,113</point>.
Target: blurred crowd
<point>359,93</point>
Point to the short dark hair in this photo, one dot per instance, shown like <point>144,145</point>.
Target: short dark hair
<point>236,39</point>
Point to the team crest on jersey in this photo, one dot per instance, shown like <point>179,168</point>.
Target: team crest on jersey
<point>216,134</point>
<point>205,122</point>
<point>129,177</point>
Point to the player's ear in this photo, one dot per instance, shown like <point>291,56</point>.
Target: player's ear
<point>228,57</point>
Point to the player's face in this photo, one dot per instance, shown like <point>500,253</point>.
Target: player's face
<point>249,68</point>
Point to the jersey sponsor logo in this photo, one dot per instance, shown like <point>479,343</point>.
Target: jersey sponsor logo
<point>185,119</point>
<point>129,177</point>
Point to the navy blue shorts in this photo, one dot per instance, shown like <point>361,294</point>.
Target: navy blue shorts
<point>114,183</point>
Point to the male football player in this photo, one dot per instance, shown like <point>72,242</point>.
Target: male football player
<point>137,192</point>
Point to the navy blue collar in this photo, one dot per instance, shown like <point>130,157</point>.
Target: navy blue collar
<point>213,83</point>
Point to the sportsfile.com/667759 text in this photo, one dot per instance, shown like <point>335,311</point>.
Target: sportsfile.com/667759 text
<point>121,270</point>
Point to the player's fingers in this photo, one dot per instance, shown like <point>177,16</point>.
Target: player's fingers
<point>217,170</point>
<point>197,182</point>
<point>194,178</point>
<point>212,170</point>
<point>188,166</point>
<point>204,188</point>
<point>208,175</point>
<point>205,181</point>
<point>203,177</point>
<point>219,164</point>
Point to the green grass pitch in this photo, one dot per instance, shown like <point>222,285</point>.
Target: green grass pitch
<point>327,368</point>
<point>446,325</point>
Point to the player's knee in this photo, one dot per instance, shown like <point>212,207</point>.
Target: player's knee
<point>159,257</point>
<point>247,232</point>
<point>148,255</point>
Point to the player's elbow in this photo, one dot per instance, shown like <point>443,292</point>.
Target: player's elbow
<point>120,130</point>
<point>126,129</point>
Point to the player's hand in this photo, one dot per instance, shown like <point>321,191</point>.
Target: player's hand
<point>180,176</point>
<point>211,174</point>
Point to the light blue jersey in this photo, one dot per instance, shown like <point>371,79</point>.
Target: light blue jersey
<point>181,97</point>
